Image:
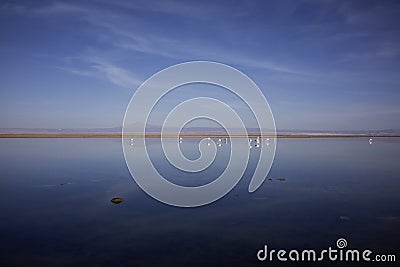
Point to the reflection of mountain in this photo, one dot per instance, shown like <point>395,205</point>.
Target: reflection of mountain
<point>196,130</point>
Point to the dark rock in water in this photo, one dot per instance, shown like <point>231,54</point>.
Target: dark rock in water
<point>63,183</point>
<point>270,179</point>
<point>117,200</point>
<point>281,179</point>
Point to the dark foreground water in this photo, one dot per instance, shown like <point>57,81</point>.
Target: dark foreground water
<point>56,211</point>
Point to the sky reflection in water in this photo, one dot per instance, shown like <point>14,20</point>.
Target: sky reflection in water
<point>56,208</point>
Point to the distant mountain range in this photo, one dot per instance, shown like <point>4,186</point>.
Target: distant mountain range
<point>59,130</point>
<point>196,130</point>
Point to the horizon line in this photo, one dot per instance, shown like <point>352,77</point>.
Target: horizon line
<point>120,135</point>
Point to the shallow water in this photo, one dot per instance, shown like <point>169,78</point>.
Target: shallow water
<point>56,208</point>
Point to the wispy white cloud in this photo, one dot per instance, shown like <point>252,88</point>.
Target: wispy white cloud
<point>53,8</point>
<point>122,32</point>
<point>76,71</point>
<point>192,9</point>
<point>116,75</point>
<point>383,51</point>
<point>59,8</point>
<point>134,39</point>
<point>357,13</point>
<point>172,48</point>
<point>100,69</point>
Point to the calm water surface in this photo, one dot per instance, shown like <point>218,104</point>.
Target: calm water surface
<point>56,209</point>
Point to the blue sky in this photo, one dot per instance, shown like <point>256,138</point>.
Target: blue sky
<point>321,64</point>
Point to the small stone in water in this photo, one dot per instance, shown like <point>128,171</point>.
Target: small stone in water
<point>117,200</point>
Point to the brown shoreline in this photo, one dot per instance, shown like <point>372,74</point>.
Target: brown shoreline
<point>118,135</point>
